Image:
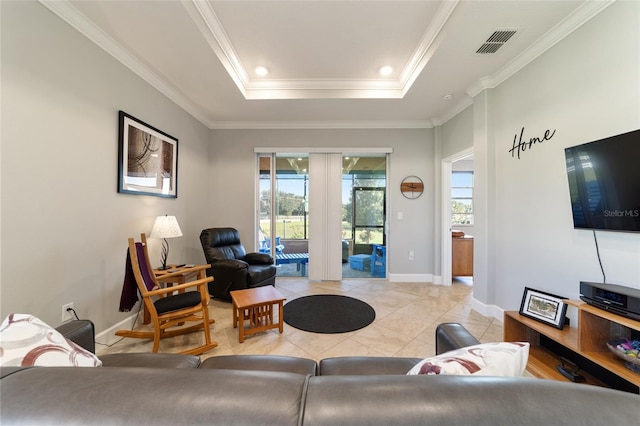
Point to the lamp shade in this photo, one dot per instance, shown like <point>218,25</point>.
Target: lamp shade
<point>166,227</point>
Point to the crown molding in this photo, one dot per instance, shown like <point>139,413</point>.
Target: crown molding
<point>428,45</point>
<point>320,125</point>
<point>579,17</point>
<point>72,16</point>
<point>210,27</point>
<point>206,20</point>
<point>204,16</point>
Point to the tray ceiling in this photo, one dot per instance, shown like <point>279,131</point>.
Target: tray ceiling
<point>324,57</point>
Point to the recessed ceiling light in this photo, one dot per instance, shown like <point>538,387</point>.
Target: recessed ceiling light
<point>386,70</point>
<point>262,71</point>
<point>447,96</point>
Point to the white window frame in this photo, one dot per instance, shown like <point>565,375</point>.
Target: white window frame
<point>453,199</point>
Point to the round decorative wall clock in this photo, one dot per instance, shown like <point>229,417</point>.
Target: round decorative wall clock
<point>412,187</point>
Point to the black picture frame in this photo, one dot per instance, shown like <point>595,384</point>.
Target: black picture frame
<point>544,307</point>
<point>147,159</point>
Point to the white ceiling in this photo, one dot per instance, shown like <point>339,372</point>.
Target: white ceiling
<point>323,56</point>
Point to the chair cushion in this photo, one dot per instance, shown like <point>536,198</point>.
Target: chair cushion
<point>178,301</point>
<point>218,237</point>
<point>221,243</point>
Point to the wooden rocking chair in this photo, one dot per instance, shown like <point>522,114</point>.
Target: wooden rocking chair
<point>169,311</point>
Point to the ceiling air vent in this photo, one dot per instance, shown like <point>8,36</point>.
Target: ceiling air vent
<point>495,41</point>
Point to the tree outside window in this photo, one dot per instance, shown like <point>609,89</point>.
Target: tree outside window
<point>462,198</point>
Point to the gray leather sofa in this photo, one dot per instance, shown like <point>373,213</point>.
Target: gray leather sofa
<point>82,332</point>
<point>270,390</point>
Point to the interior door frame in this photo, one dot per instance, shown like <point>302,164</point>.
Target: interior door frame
<point>445,257</point>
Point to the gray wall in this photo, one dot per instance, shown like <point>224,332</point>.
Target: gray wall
<point>457,133</point>
<point>64,226</point>
<point>234,172</point>
<point>585,88</point>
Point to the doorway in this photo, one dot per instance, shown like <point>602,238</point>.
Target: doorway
<point>364,236</point>
<point>310,224</point>
<point>457,218</point>
<point>283,219</point>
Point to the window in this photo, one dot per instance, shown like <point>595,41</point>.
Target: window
<point>462,198</point>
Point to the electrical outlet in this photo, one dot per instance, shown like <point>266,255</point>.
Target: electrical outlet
<point>411,255</point>
<point>67,315</point>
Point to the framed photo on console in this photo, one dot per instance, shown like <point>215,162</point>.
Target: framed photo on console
<point>544,307</point>
<point>148,159</point>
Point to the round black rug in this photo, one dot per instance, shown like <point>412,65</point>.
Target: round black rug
<point>328,313</point>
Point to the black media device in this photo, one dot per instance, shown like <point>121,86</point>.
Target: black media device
<point>620,300</point>
<point>570,369</point>
<point>604,183</point>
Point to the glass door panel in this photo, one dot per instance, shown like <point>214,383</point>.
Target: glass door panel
<point>264,204</point>
<point>284,215</point>
<point>292,215</point>
<point>364,217</point>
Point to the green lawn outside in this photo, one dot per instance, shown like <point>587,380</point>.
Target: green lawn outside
<point>293,228</point>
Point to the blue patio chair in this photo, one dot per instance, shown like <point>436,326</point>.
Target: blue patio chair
<point>265,246</point>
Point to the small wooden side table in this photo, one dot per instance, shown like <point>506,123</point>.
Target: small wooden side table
<point>182,278</point>
<point>256,305</point>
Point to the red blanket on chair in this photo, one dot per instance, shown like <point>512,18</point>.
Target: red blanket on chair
<point>129,295</point>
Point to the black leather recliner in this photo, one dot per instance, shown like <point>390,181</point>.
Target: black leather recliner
<point>232,268</point>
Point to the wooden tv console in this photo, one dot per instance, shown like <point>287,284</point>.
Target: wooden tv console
<point>584,343</point>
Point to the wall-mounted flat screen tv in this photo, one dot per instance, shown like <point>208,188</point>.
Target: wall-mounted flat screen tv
<point>604,183</point>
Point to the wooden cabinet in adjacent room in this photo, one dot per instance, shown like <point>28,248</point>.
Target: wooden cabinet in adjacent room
<point>462,256</point>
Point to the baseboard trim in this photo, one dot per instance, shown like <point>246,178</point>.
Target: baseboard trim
<point>411,278</point>
<point>487,310</point>
<point>108,336</point>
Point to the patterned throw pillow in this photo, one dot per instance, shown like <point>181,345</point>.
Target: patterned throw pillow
<point>27,341</point>
<point>486,359</point>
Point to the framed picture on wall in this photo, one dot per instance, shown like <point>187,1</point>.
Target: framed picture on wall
<point>544,307</point>
<point>147,159</point>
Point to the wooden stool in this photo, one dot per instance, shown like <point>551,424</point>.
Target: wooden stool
<point>256,305</point>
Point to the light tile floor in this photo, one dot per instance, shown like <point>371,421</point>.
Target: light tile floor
<point>406,317</point>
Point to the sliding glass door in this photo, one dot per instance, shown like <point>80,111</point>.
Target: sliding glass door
<point>345,196</point>
<point>283,228</point>
<point>364,216</point>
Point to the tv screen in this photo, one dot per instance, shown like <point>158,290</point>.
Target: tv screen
<point>604,183</point>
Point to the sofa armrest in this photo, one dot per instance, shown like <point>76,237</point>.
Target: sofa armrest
<point>451,336</point>
<point>258,259</point>
<point>80,332</point>
<point>227,265</point>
